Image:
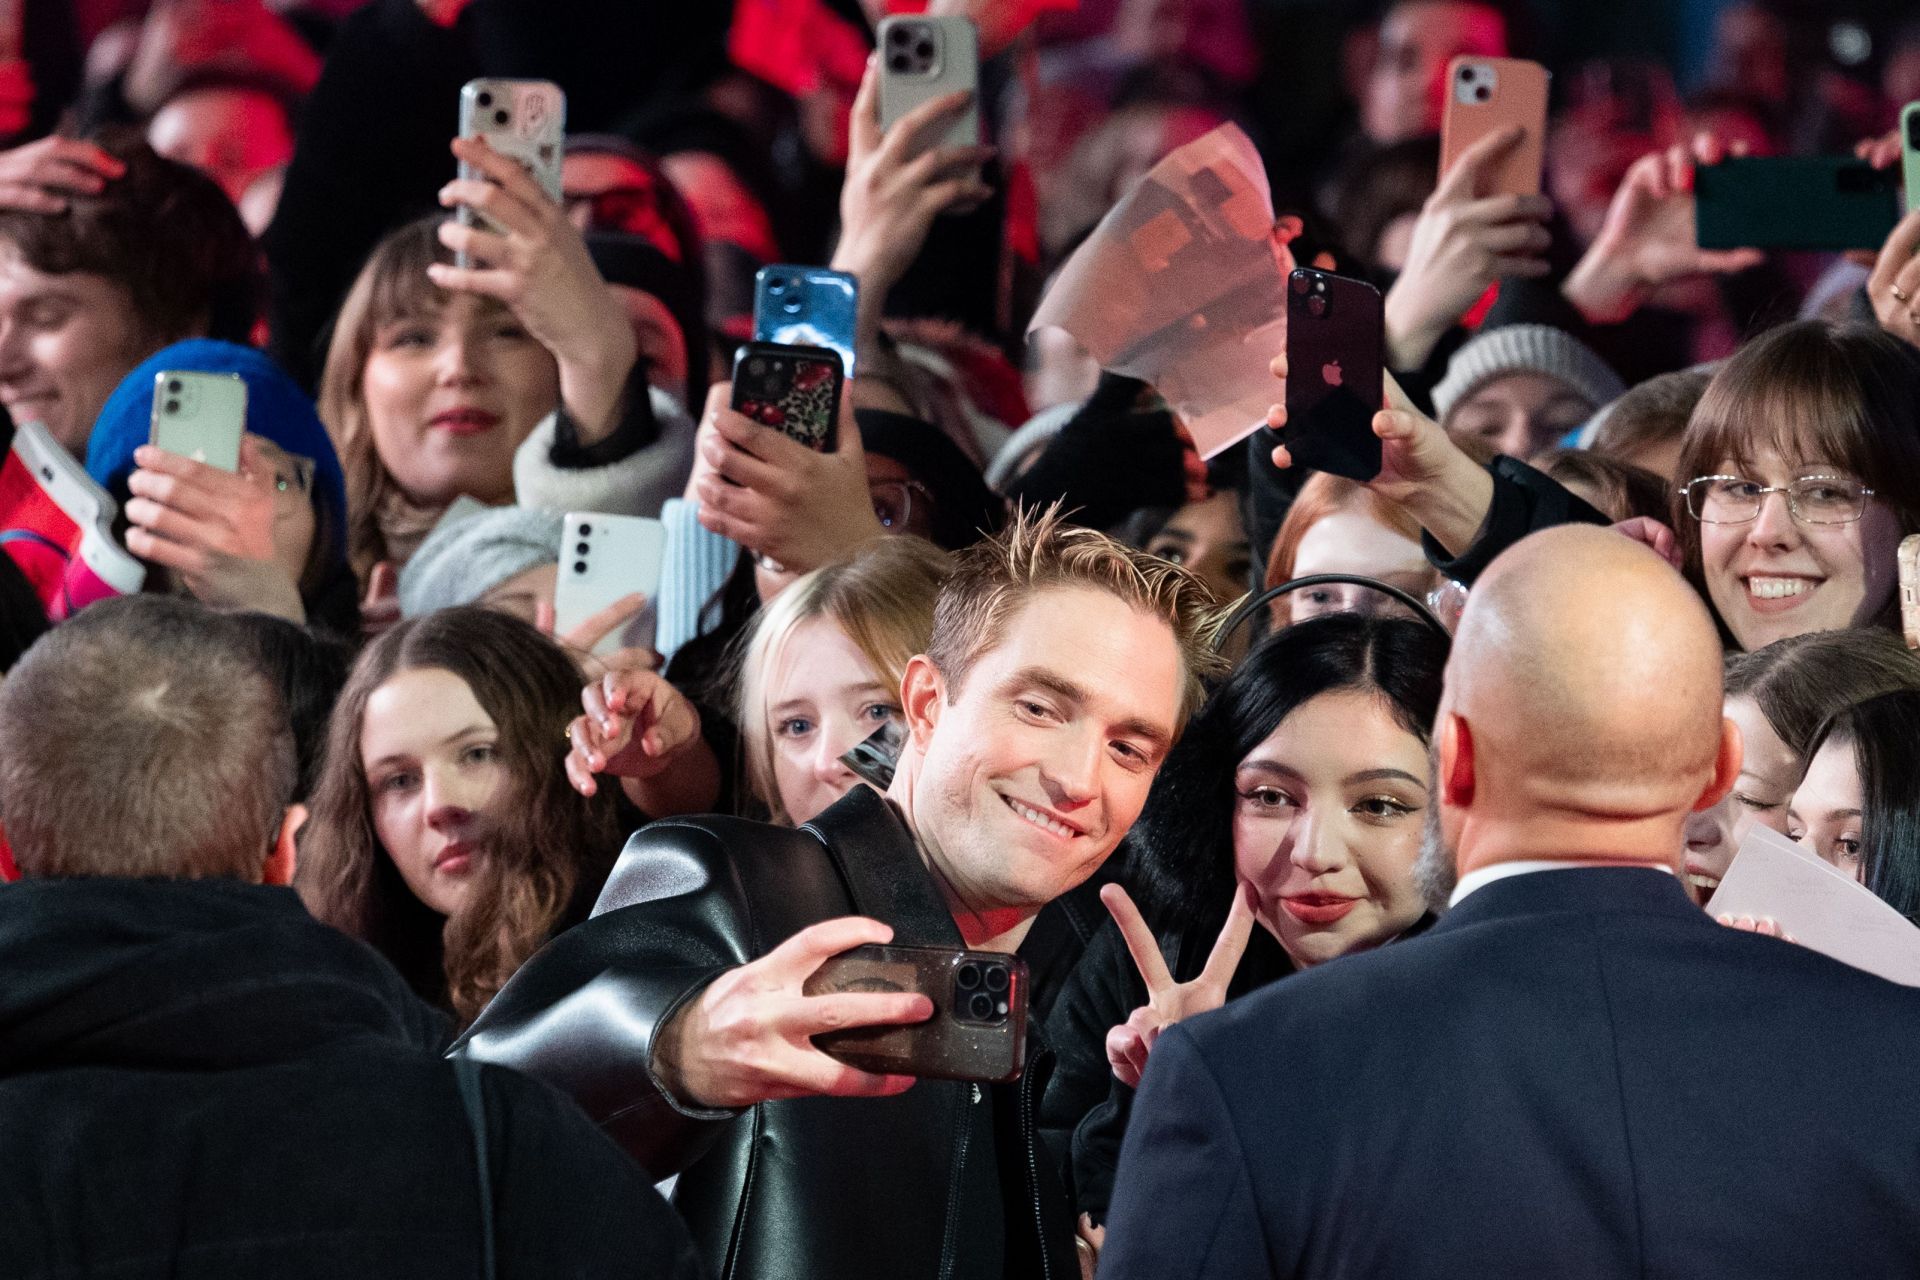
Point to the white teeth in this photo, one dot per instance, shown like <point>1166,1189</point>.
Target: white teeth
<point>1703,882</point>
<point>1778,588</point>
<point>1041,820</point>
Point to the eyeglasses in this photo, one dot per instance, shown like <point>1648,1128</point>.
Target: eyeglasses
<point>1810,499</point>
<point>893,501</point>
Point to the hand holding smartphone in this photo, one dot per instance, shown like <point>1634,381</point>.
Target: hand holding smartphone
<point>523,119</point>
<point>605,558</point>
<point>978,1030</point>
<point>795,390</point>
<point>1910,589</point>
<point>200,416</point>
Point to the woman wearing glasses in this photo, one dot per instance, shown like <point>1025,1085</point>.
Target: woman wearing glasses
<point>270,537</point>
<point>1799,475</point>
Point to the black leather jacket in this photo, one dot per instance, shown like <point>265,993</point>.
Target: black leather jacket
<point>945,1180</point>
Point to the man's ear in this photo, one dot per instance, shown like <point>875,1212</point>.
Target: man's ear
<point>923,691</point>
<point>1726,766</point>
<point>279,867</point>
<point>1456,761</point>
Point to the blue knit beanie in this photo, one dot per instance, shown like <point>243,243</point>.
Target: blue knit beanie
<point>276,409</point>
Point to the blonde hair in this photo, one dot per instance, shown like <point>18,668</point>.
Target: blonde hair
<point>882,598</point>
<point>1036,551</point>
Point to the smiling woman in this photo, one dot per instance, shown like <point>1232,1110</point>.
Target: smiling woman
<point>1801,473</point>
<point>1859,807</point>
<point>444,831</point>
<point>1288,820</point>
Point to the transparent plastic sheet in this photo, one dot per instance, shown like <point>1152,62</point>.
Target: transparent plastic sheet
<point>1180,286</point>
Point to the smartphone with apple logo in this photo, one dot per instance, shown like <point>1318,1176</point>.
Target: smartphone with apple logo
<point>1336,348</point>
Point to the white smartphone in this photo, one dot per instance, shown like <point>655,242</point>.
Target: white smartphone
<point>923,58</point>
<point>524,119</point>
<point>603,558</point>
<point>200,416</point>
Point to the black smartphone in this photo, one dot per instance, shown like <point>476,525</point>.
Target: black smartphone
<point>791,389</point>
<point>1794,202</point>
<point>1336,347</point>
<point>808,307</point>
<point>978,1030</point>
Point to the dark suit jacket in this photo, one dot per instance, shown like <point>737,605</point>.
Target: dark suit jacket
<point>1575,1073</point>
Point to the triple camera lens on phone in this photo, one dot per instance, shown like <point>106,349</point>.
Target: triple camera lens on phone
<point>1313,286</point>
<point>980,992</point>
<point>910,49</point>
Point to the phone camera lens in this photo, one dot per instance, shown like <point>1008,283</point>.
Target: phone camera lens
<point>485,99</point>
<point>898,35</point>
<point>779,366</point>
<point>899,63</point>
<point>924,51</point>
<point>579,566</point>
<point>586,530</point>
<point>756,368</point>
<point>1466,75</point>
<point>173,406</point>
<point>967,977</point>
<point>980,1005</point>
<point>581,549</point>
<point>1301,282</point>
<point>174,386</point>
<point>996,979</point>
<point>1482,93</point>
<point>791,306</point>
<point>501,117</point>
<point>1316,306</point>
<point>776,285</point>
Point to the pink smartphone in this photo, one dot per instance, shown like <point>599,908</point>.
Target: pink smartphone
<point>1486,96</point>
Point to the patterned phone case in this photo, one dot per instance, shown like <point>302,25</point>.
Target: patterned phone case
<point>795,390</point>
<point>978,1030</point>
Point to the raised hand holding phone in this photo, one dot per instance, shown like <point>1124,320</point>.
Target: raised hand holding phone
<point>212,527</point>
<point>748,1037</point>
<point>537,264</point>
<point>1168,1001</point>
<point>1893,287</point>
<point>1649,238</point>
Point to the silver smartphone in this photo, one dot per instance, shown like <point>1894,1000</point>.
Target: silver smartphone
<point>923,58</point>
<point>603,558</point>
<point>524,119</point>
<point>200,416</point>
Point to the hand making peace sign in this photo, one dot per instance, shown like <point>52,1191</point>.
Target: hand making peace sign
<point>1168,1001</point>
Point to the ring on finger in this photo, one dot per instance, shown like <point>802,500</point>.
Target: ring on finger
<point>1899,294</point>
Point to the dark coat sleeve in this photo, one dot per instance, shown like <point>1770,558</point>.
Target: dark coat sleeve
<point>1102,992</point>
<point>1524,501</point>
<point>1184,1203</point>
<point>584,1013</point>
<point>566,1200</point>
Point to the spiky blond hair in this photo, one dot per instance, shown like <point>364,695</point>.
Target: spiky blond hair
<point>1039,550</point>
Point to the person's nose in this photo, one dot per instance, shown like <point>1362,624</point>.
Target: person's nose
<point>14,363</point>
<point>1704,831</point>
<point>458,361</point>
<point>826,766</point>
<point>1774,528</point>
<point>1071,773</point>
<point>450,799</point>
<point>1516,438</point>
<point>1316,849</point>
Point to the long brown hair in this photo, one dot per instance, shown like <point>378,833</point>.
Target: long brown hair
<point>546,845</point>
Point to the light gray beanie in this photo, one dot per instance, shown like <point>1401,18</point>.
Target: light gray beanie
<point>1526,348</point>
<point>473,549</point>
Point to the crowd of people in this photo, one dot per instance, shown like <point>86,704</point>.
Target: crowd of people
<point>1356,838</point>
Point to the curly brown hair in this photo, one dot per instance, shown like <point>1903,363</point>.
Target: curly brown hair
<point>547,846</point>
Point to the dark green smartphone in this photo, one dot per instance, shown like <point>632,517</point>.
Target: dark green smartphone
<point>1795,202</point>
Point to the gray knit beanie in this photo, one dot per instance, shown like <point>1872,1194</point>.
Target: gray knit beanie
<point>1526,348</point>
<point>474,549</point>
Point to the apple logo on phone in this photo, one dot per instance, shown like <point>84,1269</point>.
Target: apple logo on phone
<point>1331,372</point>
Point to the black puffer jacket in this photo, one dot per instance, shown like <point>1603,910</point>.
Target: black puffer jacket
<point>946,1180</point>
<point>199,1080</point>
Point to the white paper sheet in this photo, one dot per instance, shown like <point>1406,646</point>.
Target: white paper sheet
<point>1179,286</point>
<point>1822,908</point>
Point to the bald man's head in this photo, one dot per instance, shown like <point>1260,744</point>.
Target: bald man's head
<point>1587,674</point>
